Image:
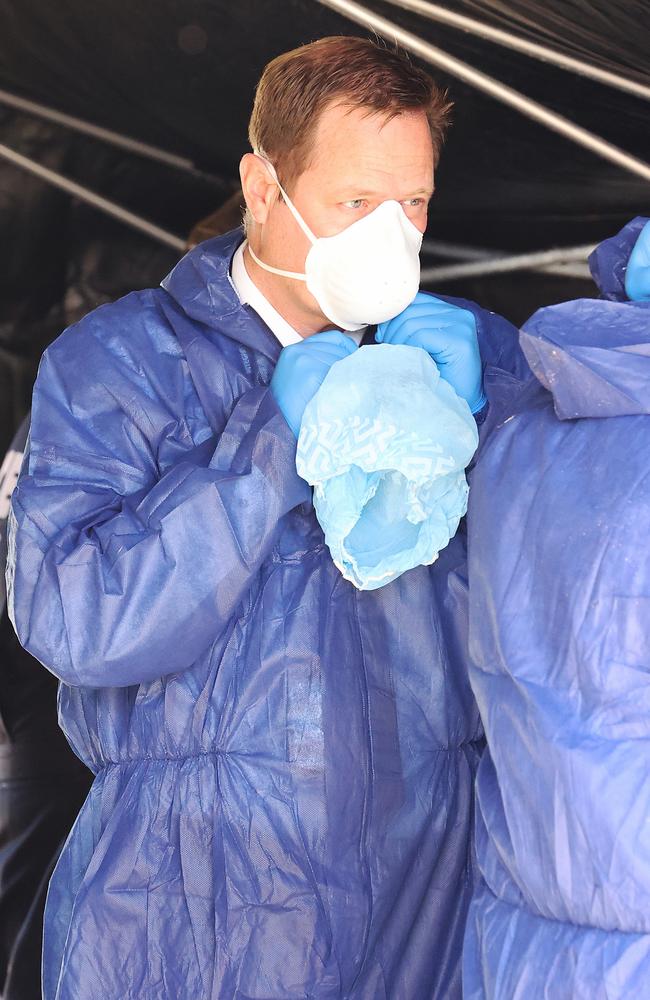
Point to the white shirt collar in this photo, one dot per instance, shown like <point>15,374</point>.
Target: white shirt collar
<point>249,294</point>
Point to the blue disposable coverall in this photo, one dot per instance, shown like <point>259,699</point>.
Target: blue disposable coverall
<point>284,766</point>
<point>42,783</point>
<point>559,585</point>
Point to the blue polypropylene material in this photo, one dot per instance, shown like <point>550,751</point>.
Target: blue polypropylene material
<point>637,275</point>
<point>385,442</point>
<point>559,585</point>
<point>608,262</point>
<point>284,765</point>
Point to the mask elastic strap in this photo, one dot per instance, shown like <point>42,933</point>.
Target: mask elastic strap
<point>290,205</point>
<point>275,270</point>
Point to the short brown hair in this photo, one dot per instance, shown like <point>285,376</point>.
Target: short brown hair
<point>297,86</point>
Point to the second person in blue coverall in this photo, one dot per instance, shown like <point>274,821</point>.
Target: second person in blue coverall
<point>559,642</point>
<point>284,765</point>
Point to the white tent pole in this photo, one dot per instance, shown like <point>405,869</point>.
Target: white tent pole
<point>460,252</point>
<point>457,251</point>
<point>90,198</point>
<point>503,265</point>
<point>435,12</point>
<point>97,132</point>
<point>507,95</point>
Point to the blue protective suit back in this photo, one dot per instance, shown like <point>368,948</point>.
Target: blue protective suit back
<point>559,579</point>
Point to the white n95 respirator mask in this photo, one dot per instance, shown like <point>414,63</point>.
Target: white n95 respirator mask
<point>365,274</point>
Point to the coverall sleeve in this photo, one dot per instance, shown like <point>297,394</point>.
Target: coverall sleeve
<point>118,574</point>
<point>608,262</point>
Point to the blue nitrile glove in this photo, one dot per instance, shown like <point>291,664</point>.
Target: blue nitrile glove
<point>448,334</point>
<point>301,369</point>
<point>637,275</point>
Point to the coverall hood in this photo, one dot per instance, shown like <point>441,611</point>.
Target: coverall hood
<point>200,284</point>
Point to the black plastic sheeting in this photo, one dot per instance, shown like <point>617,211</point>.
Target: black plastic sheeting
<point>184,79</point>
<point>61,258</point>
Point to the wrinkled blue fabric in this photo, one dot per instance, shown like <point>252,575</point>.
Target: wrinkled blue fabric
<point>637,274</point>
<point>284,765</point>
<point>592,357</point>
<point>385,442</point>
<point>608,262</point>
<point>559,606</point>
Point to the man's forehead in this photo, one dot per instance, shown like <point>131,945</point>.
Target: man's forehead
<point>342,118</point>
<point>355,140</point>
<point>342,130</point>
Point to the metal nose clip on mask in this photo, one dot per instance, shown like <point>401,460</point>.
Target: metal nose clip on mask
<point>365,274</point>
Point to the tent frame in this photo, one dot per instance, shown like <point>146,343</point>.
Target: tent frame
<point>489,85</point>
<point>434,12</point>
<point>476,262</point>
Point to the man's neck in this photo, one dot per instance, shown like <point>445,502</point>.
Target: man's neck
<point>274,290</point>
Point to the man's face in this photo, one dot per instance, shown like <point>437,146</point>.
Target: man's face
<point>358,161</point>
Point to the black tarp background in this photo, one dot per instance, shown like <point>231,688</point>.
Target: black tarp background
<point>181,74</point>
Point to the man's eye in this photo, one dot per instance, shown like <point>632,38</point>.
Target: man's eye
<point>355,203</point>
<point>413,202</point>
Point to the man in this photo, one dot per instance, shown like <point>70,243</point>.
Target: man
<point>284,765</point>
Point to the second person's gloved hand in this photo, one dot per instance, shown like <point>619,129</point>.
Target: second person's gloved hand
<point>448,334</point>
<point>301,370</point>
<point>637,275</point>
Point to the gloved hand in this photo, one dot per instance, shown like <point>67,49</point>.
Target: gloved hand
<point>301,370</point>
<point>448,334</point>
<point>637,275</point>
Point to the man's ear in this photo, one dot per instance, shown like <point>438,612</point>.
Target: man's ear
<point>260,190</point>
